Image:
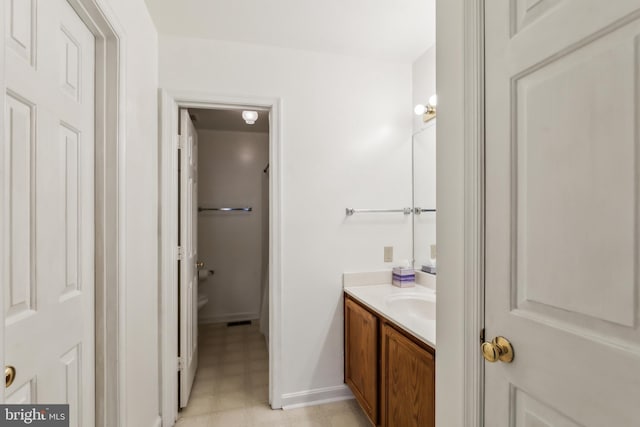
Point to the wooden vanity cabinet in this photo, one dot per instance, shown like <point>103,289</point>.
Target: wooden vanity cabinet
<point>361,356</point>
<point>391,373</point>
<point>408,394</point>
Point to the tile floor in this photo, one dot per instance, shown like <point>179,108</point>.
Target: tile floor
<point>231,387</point>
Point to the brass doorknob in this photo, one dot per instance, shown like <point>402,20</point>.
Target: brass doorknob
<point>199,264</point>
<point>498,349</point>
<point>9,375</point>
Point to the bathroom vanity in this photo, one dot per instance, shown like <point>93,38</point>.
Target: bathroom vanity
<point>390,353</point>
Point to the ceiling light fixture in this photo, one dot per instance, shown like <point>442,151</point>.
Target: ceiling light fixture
<point>428,111</point>
<point>250,116</point>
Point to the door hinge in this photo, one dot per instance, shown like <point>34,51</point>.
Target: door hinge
<point>482,335</point>
<point>180,364</point>
<point>180,253</point>
<point>180,142</point>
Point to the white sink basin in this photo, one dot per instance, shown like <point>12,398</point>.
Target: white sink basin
<point>412,309</point>
<point>413,305</point>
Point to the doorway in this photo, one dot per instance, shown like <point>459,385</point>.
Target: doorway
<point>222,215</point>
<point>223,237</point>
<point>233,215</point>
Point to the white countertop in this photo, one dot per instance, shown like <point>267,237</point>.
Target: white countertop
<point>375,297</point>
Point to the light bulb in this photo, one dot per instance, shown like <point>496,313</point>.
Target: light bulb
<point>250,116</point>
<point>433,100</point>
<point>419,109</point>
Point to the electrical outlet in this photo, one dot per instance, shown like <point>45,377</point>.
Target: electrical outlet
<point>388,254</point>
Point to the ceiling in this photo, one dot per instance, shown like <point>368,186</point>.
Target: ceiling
<point>394,30</point>
<point>230,120</point>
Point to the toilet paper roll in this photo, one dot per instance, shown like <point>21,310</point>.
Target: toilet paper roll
<point>203,274</point>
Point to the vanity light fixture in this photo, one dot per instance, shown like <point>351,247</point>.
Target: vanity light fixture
<point>250,117</point>
<point>428,111</point>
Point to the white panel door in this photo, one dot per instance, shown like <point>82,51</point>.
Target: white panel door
<point>189,244</point>
<point>48,206</point>
<point>563,211</point>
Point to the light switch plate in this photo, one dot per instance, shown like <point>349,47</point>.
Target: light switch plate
<point>388,254</point>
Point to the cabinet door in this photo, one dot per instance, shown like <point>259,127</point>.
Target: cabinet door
<point>361,356</point>
<point>408,382</point>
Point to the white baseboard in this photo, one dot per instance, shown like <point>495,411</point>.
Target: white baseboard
<point>225,318</point>
<point>316,396</point>
<point>158,422</point>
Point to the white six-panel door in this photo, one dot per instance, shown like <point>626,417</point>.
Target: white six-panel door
<point>48,206</point>
<point>563,211</point>
<point>189,257</point>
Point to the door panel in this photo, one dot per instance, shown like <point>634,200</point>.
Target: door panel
<point>408,382</point>
<point>71,364</point>
<point>21,29</point>
<point>531,413</point>
<point>525,12</point>
<point>361,356</point>
<point>576,184</point>
<point>19,140</point>
<point>48,209</point>
<point>189,243</point>
<point>562,211</point>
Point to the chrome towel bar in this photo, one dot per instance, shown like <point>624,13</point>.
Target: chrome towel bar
<point>247,209</point>
<point>418,211</point>
<point>351,211</point>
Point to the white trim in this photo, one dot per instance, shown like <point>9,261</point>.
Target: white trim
<point>275,253</point>
<point>168,203</point>
<point>157,422</point>
<point>225,318</point>
<point>473,211</point>
<point>110,209</point>
<point>316,396</point>
<point>110,338</point>
<point>168,261</point>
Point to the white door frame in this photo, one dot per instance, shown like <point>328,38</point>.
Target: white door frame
<point>169,102</point>
<point>109,205</point>
<point>474,210</point>
<point>460,24</point>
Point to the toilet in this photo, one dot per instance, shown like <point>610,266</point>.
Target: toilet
<point>203,275</point>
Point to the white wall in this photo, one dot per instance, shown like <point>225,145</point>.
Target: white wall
<point>450,227</point>
<point>424,83</point>
<point>346,126</point>
<point>230,166</point>
<point>141,184</point>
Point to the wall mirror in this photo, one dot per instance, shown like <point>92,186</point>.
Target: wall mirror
<point>424,194</point>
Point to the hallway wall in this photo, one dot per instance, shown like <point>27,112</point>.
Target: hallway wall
<point>139,272</point>
<point>230,165</point>
<point>346,135</point>
<point>450,176</point>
